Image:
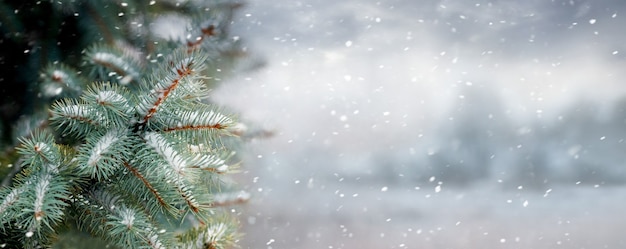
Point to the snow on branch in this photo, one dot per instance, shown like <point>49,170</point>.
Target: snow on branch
<point>229,199</point>
<point>131,227</point>
<point>106,94</point>
<point>112,61</point>
<point>103,154</point>
<point>43,203</point>
<point>179,69</point>
<point>177,164</point>
<point>163,148</point>
<point>145,183</point>
<point>111,101</point>
<point>58,79</point>
<point>76,117</point>
<point>209,162</point>
<point>10,197</point>
<point>219,233</point>
<point>40,194</point>
<point>203,119</point>
<point>39,150</point>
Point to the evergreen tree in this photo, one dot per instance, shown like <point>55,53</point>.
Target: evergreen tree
<point>135,159</point>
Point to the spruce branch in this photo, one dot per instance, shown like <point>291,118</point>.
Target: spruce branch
<point>132,229</point>
<point>42,205</point>
<point>7,207</point>
<point>114,63</point>
<point>39,150</point>
<point>40,194</point>
<point>172,168</point>
<point>179,68</point>
<point>138,157</point>
<point>219,234</point>
<point>103,154</point>
<point>200,123</point>
<point>61,80</point>
<point>112,103</point>
<point>143,189</point>
<point>92,208</point>
<point>156,171</point>
<point>75,117</point>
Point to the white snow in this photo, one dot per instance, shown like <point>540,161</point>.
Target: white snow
<point>127,217</point>
<point>161,146</point>
<point>196,118</point>
<point>110,58</point>
<point>110,97</point>
<point>51,90</point>
<point>155,242</point>
<point>102,146</point>
<point>41,189</point>
<point>81,111</point>
<point>215,232</point>
<point>222,169</point>
<point>10,198</point>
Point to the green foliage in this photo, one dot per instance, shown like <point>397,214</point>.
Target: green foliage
<point>131,159</point>
<point>54,49</point>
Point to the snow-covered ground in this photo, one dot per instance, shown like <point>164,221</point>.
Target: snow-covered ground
<point>434,124</point>
<point>481,217</point>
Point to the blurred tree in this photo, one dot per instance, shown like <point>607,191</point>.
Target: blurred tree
<point>583,145</point>
<point>470,137</point>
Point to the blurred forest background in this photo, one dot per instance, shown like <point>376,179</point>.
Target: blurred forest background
<point>434,124</point>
